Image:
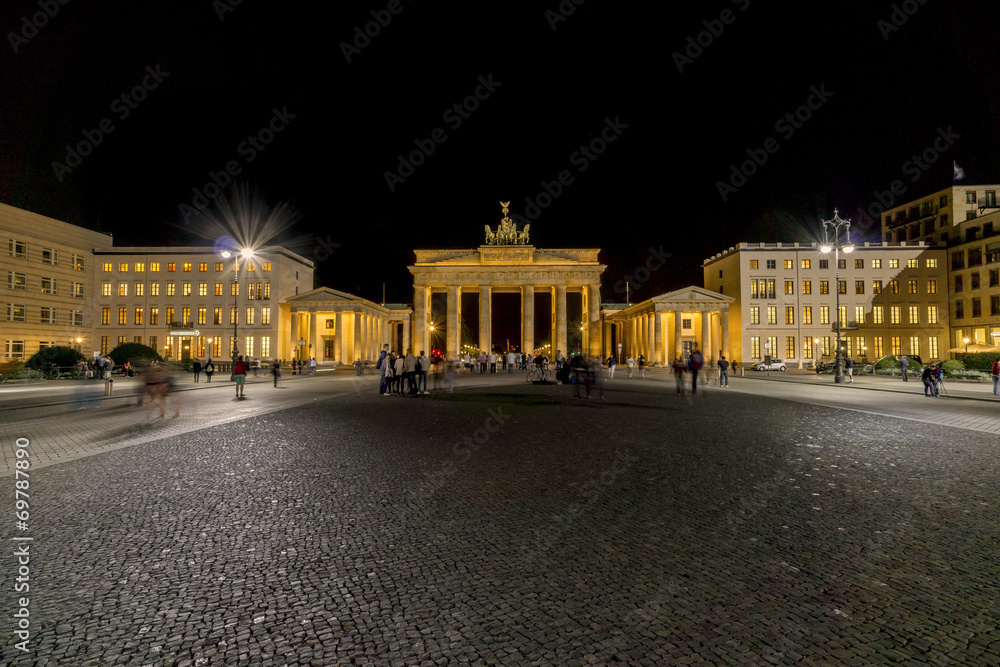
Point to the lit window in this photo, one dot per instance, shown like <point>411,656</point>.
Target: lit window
<point>932,287</point>
<point>202,315</point>
<point>123,316</point>
<point>138,316</point>
<point>187,266</point>
<point>753,264</point>
<point>788,264</point>
<point>824,314</point>
<point>265,316</point>
<point>914,314</point>
<point>78,290</point>
<point>154,267</point>
<point>754,314</point>
<point>15,312</point>
<point>250,315</point>
<point>807,315</point>
<point>807,287</point>
<point>911,286</point>
<point>876,263</point>
<point>267,267</point>
<point>140,288</point>
<point>789,287</point>
<point>122,289</point>
<point>140,267</point>
<point>806,263</point>
<point>105,289</point>
<point>202,289</point>
<point>931,264</point>
<point>107,267</point>
<point>171,289</point>
<point>894,315</point>
<point>877,315</point>
<point>203,266</point>
<point>105,316</point>
<point>790,316</point>
<point>893,263</point>
<point>154,289</point>
<point>859,263</point>
<point>932,317</point>
<point>154,316</point>
<point>859,314</point>
<point>265,346</point>
<point>218,289</point>
<point>186,289</point>
<point>123,267</point>
<point>17,281</point>
<point>171,267</point>
<point>772,314</point>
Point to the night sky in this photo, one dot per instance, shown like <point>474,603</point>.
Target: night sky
<point>884,84</point>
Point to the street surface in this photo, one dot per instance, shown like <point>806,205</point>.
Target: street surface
<point>781,521</point>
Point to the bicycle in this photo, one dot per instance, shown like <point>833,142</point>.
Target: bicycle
<point>538,374</point>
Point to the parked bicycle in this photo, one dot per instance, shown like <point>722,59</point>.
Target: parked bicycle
<point>538,374</point>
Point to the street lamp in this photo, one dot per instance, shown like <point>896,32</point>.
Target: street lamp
<point>966,341</point>
<point>247,254</point>
<point>832,242</point>
<point>816,347</point>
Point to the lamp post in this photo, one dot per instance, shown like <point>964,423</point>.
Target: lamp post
<point>816,347</point>
<point>966,341</point>
<point>247,254</point>
<point>832,242</point>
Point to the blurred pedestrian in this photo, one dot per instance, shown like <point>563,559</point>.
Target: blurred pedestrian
<point>630,364</point>
<point>849,364</point>
<point>904,363</point>
<point>641,363</point>
<point>275,372</point>
<point>927,377</point>
<point>399,372</point>
<point>209,369</point>
<point>196,367</point>
<point>612,364</point>
<point>695,362</point>
<point>995,372</point>
<point>679,368</point>
<point>423,365</point>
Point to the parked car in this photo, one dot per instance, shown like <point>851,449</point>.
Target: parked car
<point>775,365</point>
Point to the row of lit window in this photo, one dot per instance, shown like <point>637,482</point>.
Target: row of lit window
<point>204,346</point>
<point>852,346</point>
<point>201,313</point>
<point>19,250</point>
<point>763,288</point>
<point>859,263</point>
<point>860,314</point>
<point>977,307</point>
<point>154,267</point>
<point>254,291</point>
<point>16,313</point>
<point>19,281</point>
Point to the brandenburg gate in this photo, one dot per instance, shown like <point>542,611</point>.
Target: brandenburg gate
<point>506,263</point>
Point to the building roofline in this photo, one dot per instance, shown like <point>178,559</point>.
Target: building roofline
<point>779,246</point>
<point>196,250</point>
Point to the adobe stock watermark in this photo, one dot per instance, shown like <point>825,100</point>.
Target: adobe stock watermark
<point>122,106</point>
<point>454,116</point>
<point>915,168</point>
<point>248,150</point>
<point>562,12</point>
<point>640,275</point>
<point>697,44</point>
<point>900,14</point>
<point>223,7</point>
<point>786,126</point>
<point>363,35</point>
<point>581,158</point>
<point>22,542</point>
<point>30,25</point>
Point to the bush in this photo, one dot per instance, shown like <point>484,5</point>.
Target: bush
<point>60,355</point>
<point>952,365</point>
<point>133,352</point>
<point>887,362</point>
<point>981,361</point>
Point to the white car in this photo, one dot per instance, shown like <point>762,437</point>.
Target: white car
<point>775,365</point>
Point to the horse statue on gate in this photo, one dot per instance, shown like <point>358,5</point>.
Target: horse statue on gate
<point>507,233</point>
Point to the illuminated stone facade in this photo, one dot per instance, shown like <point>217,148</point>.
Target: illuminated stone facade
<point>521,269</point>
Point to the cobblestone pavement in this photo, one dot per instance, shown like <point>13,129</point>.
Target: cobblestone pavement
<point>510,524</point>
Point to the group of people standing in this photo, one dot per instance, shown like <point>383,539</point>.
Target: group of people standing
<point>406,374</point>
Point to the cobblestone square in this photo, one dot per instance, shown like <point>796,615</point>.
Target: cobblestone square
<point>510,524</point>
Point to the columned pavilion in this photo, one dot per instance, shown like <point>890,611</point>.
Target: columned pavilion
<point>337,327</point>
<point>666,326</point>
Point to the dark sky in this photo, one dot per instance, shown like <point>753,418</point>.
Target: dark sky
<point>887,94</point>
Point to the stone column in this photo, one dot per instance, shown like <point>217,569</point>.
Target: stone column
<point>485,319</point>
<point>406,335</point>
<point>313,334</point>
<point>658,342</point>
<point>595,328</point>
<point>453,339</point>
<point>295,333</point>
<point>359,333</point>
<point>633,339</point>
<point>342,338</point>
<point>706,337</point>
<point>724,316</point>
<point>420,294</point>
<point>528,319</point>
<point>560,334</point>
<point>651,338</point>
<point>678,316</point>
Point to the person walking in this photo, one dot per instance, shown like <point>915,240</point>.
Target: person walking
<point>995,372</point>
<point>493,362</point>
<point>399,372</point>
<point>312,365</point>
<point>560,360</point>
<point>275,371</point>
<point>196,367</point>
<point>849,364</point>
<point>209,369</point>
<point>612,364</point>
<point>510,361</point>
<point>240,375</point>
<point>641,363</point>
<point>629,364</point>
<point>423,365</point>
<point>578,370</point>
<point>904,363</point>
<point>679,367</point>
<point>927,377</point>
<point>481,360</point>
<point>938,379</point>
<point>695,362</point>
<point>723,371</point>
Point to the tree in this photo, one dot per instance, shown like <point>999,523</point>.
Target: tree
<point>60,355</point>
<point>133,352</point>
